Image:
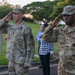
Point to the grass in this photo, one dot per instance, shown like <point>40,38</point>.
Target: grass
<point>35,28</point>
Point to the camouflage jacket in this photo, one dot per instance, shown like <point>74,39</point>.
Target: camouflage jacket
<point>20,43</point>
<point>66,44</point>
<point>65,37</point>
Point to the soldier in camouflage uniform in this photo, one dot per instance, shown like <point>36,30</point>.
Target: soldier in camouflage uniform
<point>66,40</point>
<point>20,43</point>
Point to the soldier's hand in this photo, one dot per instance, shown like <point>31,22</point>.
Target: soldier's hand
<point>7,17</point>
<point>56,21</point>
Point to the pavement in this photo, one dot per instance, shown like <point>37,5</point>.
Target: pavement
<point>34,70</point>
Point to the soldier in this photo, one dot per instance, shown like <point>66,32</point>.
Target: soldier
<point>66,40</point>
<point>20,43</point>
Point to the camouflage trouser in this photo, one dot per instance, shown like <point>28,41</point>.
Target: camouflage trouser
<point>67,66</point>
<point>16,69</point>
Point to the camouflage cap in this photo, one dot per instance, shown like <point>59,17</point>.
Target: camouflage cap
<point>18,10</point>
<point>68,10</point>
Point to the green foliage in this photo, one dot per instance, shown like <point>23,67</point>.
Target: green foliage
<point>3,59</point>
<point>48,9</point>
<point>36,59</point>
<point>59,7</point>
<point>39,10</point>
<point>56,47</point>
<point>56,11</point>
<point>4,10</point>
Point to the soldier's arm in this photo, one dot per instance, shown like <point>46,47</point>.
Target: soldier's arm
<point>30,47</point>
<point>4,22</point>
<point>50,35</point>
<point>3,27</point>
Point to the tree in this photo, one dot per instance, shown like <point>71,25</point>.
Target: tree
<point>48,9</point>
<point>59,7</point>
<point>39,10</point>
<point>4,10</point>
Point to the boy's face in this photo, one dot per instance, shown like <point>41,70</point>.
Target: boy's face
<point>42,28</point>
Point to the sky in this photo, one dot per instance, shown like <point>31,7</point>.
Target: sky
<point>22,2</point>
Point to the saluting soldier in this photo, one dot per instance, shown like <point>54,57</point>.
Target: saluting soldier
<point>20,43</point>
<point>66,40</point>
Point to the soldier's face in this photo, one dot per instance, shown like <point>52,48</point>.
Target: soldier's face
<point>69,19</point>
<point>17,17</point>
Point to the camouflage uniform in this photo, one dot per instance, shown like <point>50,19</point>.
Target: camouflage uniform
<point>66,45</point>
<point>19,48</point>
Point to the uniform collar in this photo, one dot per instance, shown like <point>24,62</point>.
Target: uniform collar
<point>69,29</point>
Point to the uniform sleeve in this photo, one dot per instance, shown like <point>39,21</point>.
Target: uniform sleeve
<point>37,37</point>
<point>30,47</point>
<point>50,35</point>
<point>3,26</point>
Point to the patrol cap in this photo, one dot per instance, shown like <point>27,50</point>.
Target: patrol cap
<point>18,10</point>
<point>68,10</point>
